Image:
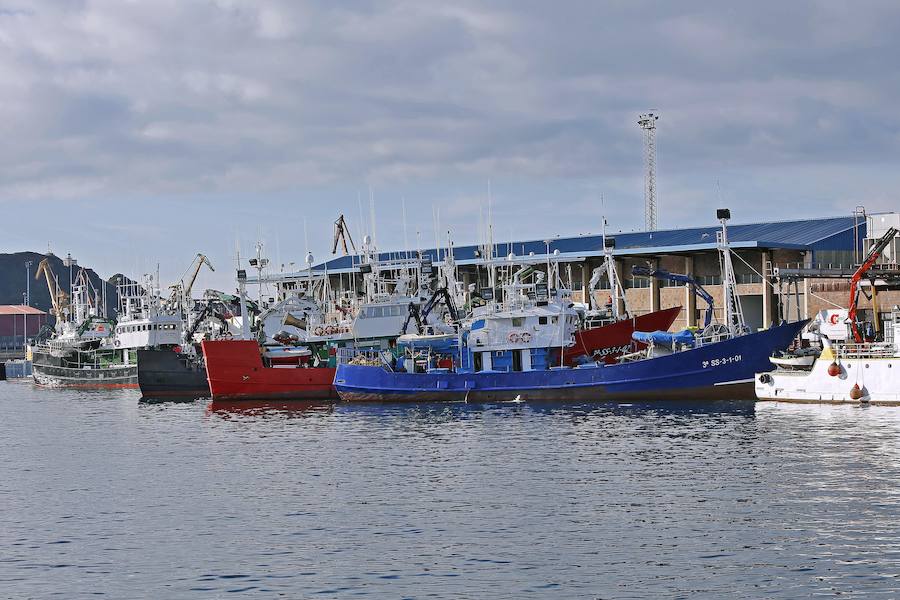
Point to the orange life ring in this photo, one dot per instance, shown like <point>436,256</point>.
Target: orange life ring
<point>319,330</point>
<point>329,330</point>
<point>513,338</point>
<point>526,337</point>
<point>834,319</point>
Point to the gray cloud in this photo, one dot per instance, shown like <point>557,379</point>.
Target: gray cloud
<point>224,101</point>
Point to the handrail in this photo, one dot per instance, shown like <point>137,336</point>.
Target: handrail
<point>846,351</point>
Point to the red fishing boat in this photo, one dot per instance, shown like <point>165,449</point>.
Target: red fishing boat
<point>607,342</point>
<point>239,369</point>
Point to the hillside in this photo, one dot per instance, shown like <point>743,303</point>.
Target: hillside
<point>12,280</point>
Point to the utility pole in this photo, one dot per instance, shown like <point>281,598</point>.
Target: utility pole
<point>28,283</point>
<point>648,124</point>
<point>70,262</point>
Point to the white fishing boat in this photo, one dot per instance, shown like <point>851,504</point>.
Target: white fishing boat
<point>844,363</point>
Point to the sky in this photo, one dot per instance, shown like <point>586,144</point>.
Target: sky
<point>141,133</point>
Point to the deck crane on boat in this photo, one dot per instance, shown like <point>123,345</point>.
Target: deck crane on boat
<point>698,289</point>
<point>421,314</point>
<point>866,266</point>
<point>342,235</point>
<point>58,298</point>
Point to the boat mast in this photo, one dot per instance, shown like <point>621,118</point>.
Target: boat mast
<point>609,245</point>
<point>734,315</point>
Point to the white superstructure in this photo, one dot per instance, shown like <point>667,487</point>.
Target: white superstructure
<point>143,321</point>
<point>843,372</point>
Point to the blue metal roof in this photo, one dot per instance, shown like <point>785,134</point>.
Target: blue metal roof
<point>799,235</point>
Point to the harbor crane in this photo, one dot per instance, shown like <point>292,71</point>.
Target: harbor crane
<point>871,258</point>
<point>59,300</point>
<point>201,260</point>
<point>181,291</point>
<point>342,235</point>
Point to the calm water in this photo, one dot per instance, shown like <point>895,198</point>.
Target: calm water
<point>103,495</point>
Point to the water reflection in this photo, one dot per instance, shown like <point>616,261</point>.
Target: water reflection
<point>105,495</point>
<point>172,399</point>
<point>262,408</point>
<point>443,411</point>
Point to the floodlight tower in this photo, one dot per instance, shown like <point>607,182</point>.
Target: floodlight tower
<point>648,124</point>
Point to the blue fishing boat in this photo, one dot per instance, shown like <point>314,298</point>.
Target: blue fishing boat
<point>511,352</point>
<point>717,370</point>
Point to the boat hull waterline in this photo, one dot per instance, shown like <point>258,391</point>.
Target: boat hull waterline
<point>235,370</point>
<point>875,378</point>
<point>114,377</point>
<point>720,371</point>
<point>165,373</point>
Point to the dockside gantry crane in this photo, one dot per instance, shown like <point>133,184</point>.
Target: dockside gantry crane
<point>59,300</point>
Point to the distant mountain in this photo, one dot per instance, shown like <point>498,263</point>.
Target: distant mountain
<point>13,275</point>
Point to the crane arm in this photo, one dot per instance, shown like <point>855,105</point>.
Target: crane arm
<point>864,268</point>
<point>421,315</point>
<point>55,293</point>
<point>342,235</point>
<point>201,259</point>
<point>698,289</point>
<point>414,313</point>
<point>596,275</point>
<point>441,294</point>
<point>522,274</point>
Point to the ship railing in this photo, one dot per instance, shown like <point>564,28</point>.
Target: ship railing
<point>361,356</point>
<point>642,354</point>
<point>78,359</point>
<point>870,350</point>
<point>711,338</point>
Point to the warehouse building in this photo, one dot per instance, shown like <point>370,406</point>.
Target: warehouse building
<point>759,247</point>
<point>18,323</point>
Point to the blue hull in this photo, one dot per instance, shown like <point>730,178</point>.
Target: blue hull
<point>719,371</point>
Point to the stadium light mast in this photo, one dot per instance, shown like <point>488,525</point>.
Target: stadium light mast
<point>648,124</point>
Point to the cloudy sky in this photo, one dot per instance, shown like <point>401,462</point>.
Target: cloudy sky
<point>137,132</point>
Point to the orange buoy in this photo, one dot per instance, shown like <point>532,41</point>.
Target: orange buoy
<point>855,392</point>
<point>834,369</point>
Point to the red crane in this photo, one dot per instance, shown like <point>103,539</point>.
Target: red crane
<point>864,268</point>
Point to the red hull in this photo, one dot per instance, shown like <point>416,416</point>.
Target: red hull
<point>235,370</point>
<point>613,340</point>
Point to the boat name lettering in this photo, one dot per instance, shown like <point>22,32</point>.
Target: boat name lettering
<point>725,360</point>
<point>612,350</point>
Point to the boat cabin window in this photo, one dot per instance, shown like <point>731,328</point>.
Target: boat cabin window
<point>518,321</point>
<point>542,320</point>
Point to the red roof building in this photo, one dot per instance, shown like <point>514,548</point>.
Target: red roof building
<point>19,321</point>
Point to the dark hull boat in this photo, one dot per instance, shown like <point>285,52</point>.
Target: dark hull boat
<point>169,374</point>
<point>721,370</point>
<point>95,369</point>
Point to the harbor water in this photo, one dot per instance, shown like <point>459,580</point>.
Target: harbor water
<point>104,495</point>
